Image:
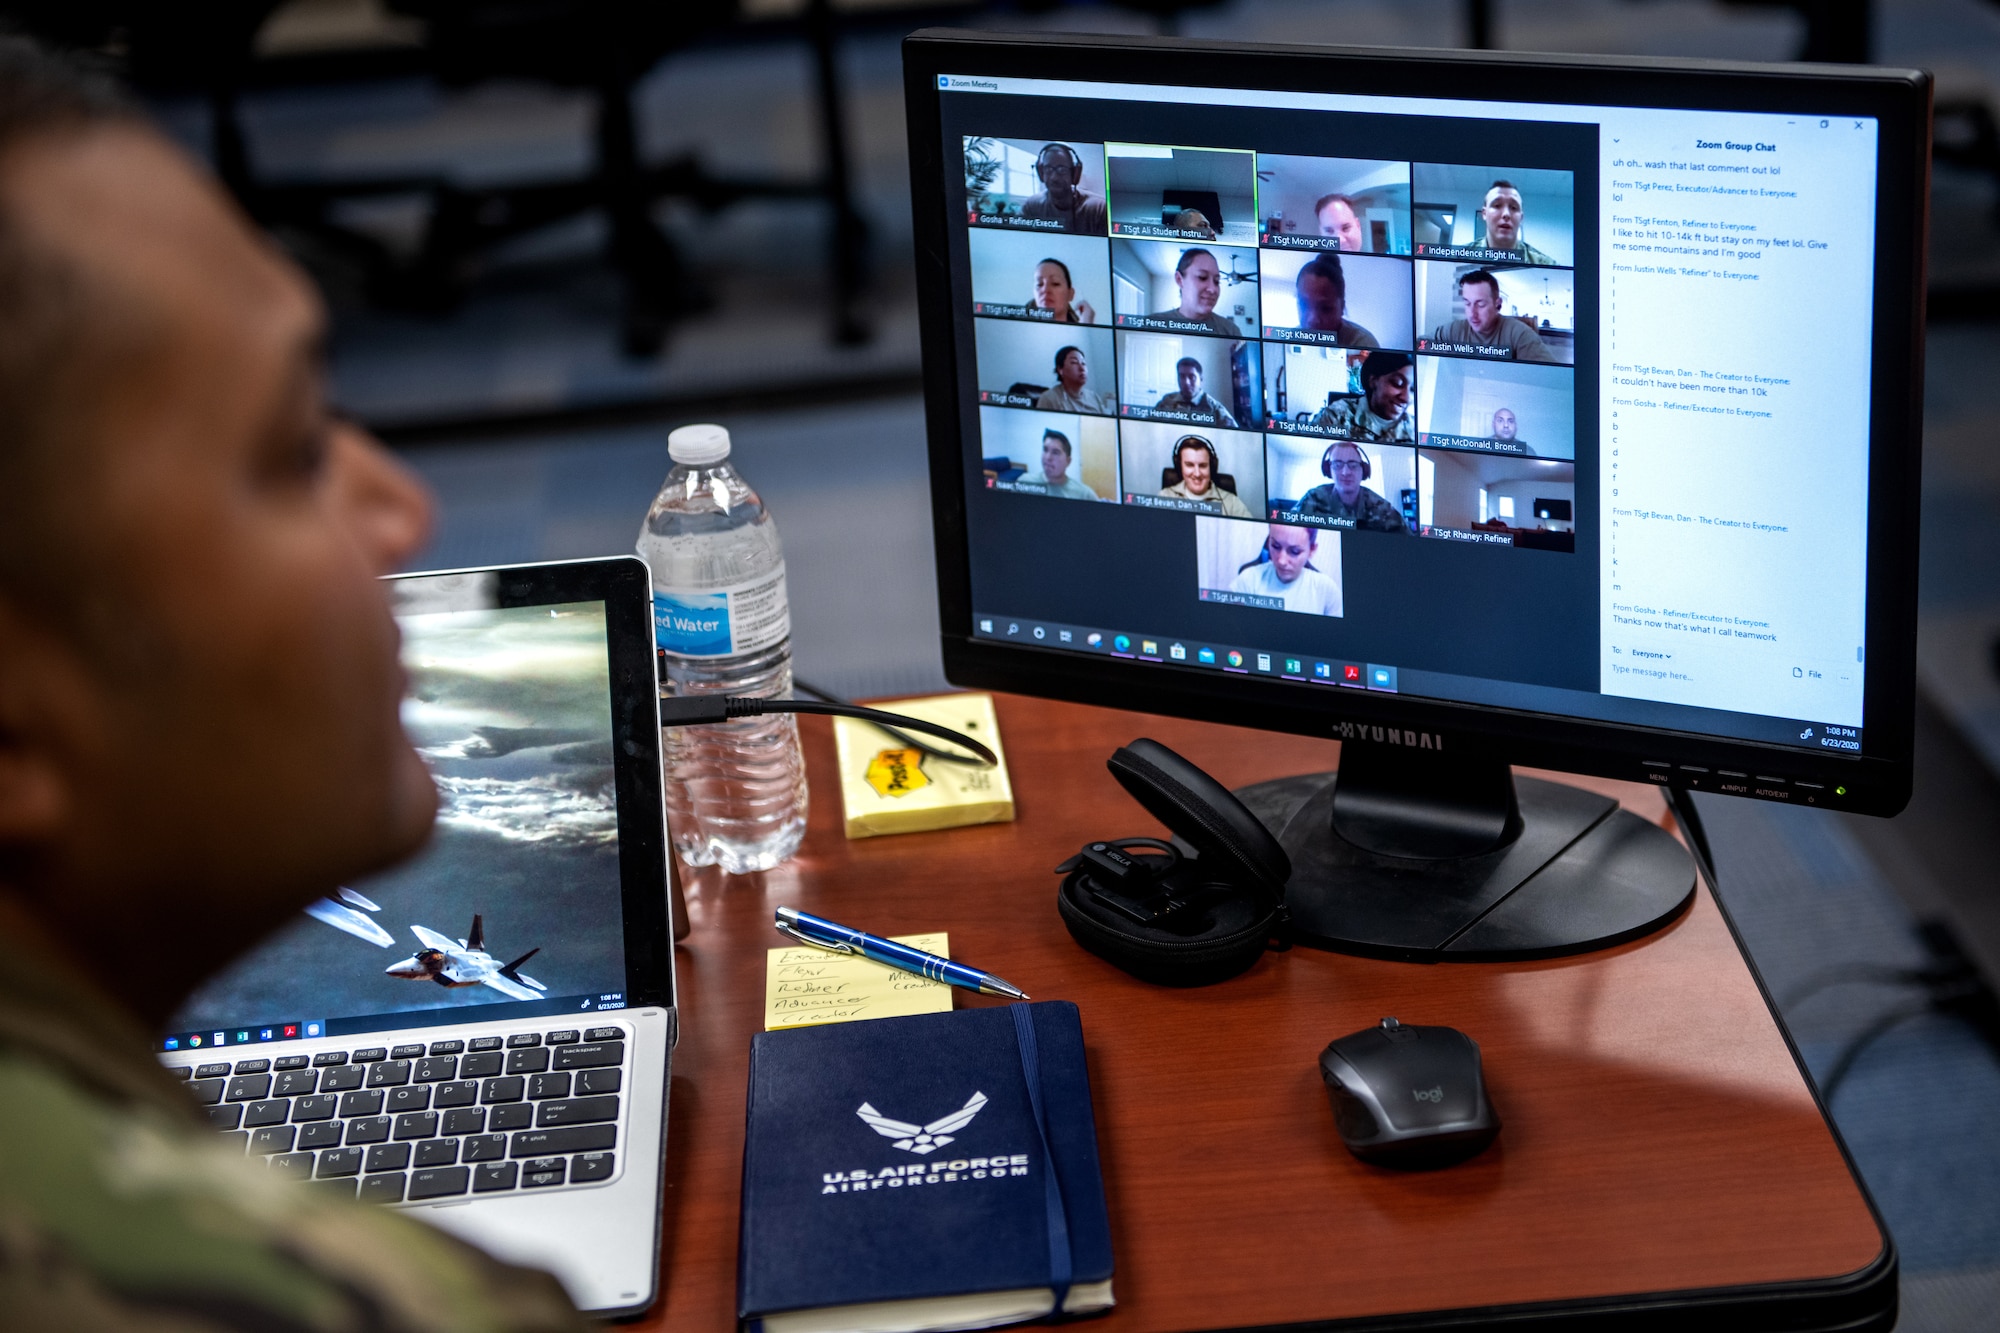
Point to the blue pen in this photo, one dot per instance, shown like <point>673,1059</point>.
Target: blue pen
<point>824,934</point>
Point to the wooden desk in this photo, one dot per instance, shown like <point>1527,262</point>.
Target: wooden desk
<point>1660,1146</point>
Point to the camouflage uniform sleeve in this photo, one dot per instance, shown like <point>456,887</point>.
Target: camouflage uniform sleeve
<point>115,1217</point>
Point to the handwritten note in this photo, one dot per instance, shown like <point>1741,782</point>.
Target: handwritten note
<point>804,986</point>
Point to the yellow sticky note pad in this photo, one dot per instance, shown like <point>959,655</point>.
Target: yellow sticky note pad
<point>886,787</point>
<point>804,986</point>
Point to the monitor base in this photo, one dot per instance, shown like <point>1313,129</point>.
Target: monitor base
<point>1568,871</point>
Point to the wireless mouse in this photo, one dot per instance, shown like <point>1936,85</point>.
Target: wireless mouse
<point>1410,1097</point>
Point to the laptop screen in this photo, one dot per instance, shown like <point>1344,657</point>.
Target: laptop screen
<point>514,908</point>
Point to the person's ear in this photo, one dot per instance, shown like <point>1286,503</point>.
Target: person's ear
<point>35,796</point>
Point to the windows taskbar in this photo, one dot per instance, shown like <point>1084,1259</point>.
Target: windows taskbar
<point>1231,659</point>
<point>1300,668</point>
<point>308,1029</point>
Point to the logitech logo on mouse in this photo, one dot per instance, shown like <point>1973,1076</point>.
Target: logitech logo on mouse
<point>1428,1094</point>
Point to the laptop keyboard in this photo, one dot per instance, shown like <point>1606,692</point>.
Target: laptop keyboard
<point>405,1124</point>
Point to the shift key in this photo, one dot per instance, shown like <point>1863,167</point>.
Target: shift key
<point>576,1111</point>
<point>555,1142</point>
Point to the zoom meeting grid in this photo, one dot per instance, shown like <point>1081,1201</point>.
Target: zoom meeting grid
<point>1361,359</point>
<point>1363,344</point>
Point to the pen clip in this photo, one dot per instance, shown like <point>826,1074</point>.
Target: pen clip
<point>787,929</point>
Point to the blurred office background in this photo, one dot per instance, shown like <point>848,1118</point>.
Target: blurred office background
<point>524,328</point>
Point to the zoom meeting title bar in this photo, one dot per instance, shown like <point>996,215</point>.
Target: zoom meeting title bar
<point>1300,101</point>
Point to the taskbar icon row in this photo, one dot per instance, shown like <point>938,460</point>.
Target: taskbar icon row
<point>251,1036</point>
<point>1166,650</point>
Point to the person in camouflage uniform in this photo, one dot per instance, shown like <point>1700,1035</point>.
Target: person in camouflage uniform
<point>198,735</point>
<point>1503,214</point>
<point>1381,415</point>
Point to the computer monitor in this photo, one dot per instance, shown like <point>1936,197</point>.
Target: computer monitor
<point>1535,410</point>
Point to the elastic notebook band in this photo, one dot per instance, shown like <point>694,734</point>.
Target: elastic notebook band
<point>1060,1266</point>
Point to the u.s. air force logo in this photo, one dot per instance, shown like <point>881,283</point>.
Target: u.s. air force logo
<point>923,1140</point>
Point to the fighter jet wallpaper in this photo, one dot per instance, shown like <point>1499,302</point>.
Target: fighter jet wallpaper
<point>511,710</point>
<point>466,963</point>
<point>342,916</point>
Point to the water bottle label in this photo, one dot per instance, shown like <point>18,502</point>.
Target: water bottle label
<point>723,622</point>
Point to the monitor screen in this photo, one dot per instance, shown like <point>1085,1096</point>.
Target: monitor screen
<point>1538,408</point>
<point>512,709</point>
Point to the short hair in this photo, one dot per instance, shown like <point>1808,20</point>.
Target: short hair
<point>1062,354</point>
<point>1059,264</point>
<point>1187,442</point>
<point>1379,364</point>
<point>1481,275</point>
<point>1336,198</point>
<point>1189,361</point>
<point>1503,185</point>
<point>1060,439</point>
<point>1187,255</point>
<point>48,302</point>
<point>1326,266</point>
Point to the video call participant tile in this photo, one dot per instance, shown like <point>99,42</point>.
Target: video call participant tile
<point>1268,566</point>
<point>1189,381</point>
<point>1337,300</point>
<point>1174,287</point>
<point>1496,407</point>
<point>1035,185</point>
<point>1495,499</point>
<point>1047,367</point>
<point>1336,393</point>
<point>1341,484</point>
<point>1054,279</point>
<point>1493,215</point>
<point>1497,313</point>
<point>1333,203</point>
<point>1058,454</point>
<point>1196,470</point>
<point>1182,194</point>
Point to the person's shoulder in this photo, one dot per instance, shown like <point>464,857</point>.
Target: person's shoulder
<point>1224,325</point>
<point>1525,334</point>
<point>1357,336</point>
<point>115,1216</point>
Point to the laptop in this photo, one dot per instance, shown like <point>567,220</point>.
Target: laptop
<point>482,1035</point>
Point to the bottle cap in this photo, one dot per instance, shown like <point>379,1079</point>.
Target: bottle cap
<point>695,445</point>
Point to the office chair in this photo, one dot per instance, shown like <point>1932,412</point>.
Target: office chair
<point>606,47</point>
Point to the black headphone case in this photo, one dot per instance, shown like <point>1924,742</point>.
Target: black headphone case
<point>1232,851</point>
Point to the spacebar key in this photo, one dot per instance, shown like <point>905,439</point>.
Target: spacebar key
<point>551,1142</point>
<point>580,1111</point>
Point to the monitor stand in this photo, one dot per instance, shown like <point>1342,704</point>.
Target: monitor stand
<point>1403,854</point>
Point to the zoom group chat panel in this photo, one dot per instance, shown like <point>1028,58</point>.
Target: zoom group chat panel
<point>1339,385</point>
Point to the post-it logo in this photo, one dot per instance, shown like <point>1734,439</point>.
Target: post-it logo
<point>898,772</point>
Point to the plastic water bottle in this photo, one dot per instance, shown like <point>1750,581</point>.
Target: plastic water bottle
<point>736,791</point>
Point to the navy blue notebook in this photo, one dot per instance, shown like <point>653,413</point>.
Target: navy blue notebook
<point>896,1174</point>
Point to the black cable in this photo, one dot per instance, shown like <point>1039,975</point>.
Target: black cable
<point>914,742</point>
<point>1863,1040</point>
<point>702,709</point>
<point>1879,974</point>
